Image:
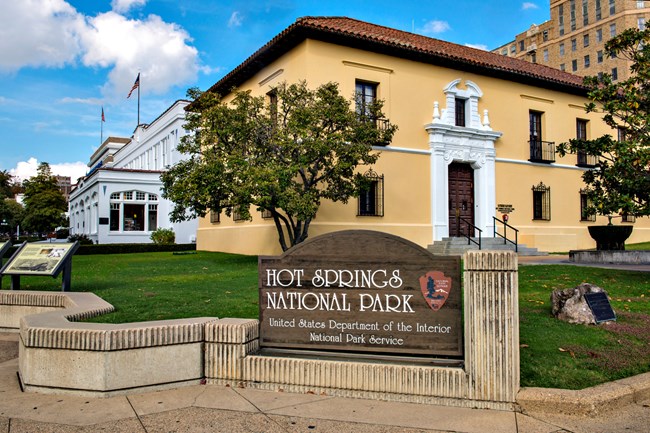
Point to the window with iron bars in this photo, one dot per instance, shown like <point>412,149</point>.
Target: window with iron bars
<point>585,203</point>
<point>541,202</point>
<point>627,218</point>
<point>371,199</point>
<point>215,217</point>
<point>236,214</point>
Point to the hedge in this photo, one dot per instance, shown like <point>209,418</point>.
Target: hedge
<point>120,248</point>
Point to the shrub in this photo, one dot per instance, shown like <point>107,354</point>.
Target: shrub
<point>82,239</point>
<point>163,236</point>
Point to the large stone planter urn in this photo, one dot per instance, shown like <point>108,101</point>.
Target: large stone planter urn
<point>610,237</point>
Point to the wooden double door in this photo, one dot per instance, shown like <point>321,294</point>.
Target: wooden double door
<point>461,199</point>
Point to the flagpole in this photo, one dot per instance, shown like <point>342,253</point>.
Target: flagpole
<point>101,121</point>
<point>139,85</point>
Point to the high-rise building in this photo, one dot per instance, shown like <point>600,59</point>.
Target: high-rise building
<point>65,184</point>
<point>573,40</point>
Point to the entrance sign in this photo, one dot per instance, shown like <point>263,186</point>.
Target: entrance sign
<point>41,259</point>
<point>505,208</point>
<point>361,291</point>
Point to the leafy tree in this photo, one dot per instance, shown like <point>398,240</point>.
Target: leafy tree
<point>283,155</point>
<point>6,184</point>
<point>620,181</point>
<point>45,205</point>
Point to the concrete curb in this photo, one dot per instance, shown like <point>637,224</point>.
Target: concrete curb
<point>591,401</point>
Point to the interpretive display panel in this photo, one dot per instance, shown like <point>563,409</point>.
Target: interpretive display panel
<point>4,247</point>
<point>361,291</point>
<point>39,259</point>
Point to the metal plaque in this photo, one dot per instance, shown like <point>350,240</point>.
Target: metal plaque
<point>600,306</point>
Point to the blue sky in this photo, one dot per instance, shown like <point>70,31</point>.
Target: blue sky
<point>61,61</point>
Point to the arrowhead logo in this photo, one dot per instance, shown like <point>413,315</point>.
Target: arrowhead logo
<point>435,287</point>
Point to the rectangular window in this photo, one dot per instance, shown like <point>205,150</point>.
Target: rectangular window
<point>541,202</point>
<point>561,48</point>
<point>574,65</point>
<point>599,14</point>
<point>599,56</point>
<point>545,55</point>
<point>460,111</point>
<point>640,23</point>
<point>366,94</point>
<point>533,57</point>
<point>153,197</point>
<point>236,214</point>
<point>266,214</point>
<point>574,44</point>
<point>612,7</point>
<point>513,48</point>
<point>215,217</point>
<point>585,40</point>
<point>545,35</point>
<point>153,217</point>
<point>585,12</point>
<point>128,195</point>
<point>371,199</point>
<point>562,67</point>
<point>133,220</point>
<point>115,196</point>
<point>599,35</point>
<point>540,151</point>
<point>587,61</point>
<point>114,224</point>
<point>585,204</point>
<point>140,195</point>
<point>620,134</point>
<point>584,159</point>
<point>521,46</point>
<point>640,4</point>
<point>612,30</point>
<point>560,11</point>
<point>572,14</point>
<point>614,74</point>
<point>627,218</point>
<point>273,105</point>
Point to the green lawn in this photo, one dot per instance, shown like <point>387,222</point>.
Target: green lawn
<point>155,286</point>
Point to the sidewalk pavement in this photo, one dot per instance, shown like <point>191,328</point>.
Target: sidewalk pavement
<point>215,408</point>
<point>561,259</point>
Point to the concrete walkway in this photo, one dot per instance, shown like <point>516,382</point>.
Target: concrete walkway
<point>212,408</point>
<point>561,259</point>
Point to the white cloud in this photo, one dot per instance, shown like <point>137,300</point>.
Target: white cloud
<point>38,33</point>
<point>26,169</point>
<point>159,50</point>
<point>478,46</point>
<point>60,36</point>
<point>122,6</point>
<point>235,20</point>
<point>529,5</point>
<point>435,27</point>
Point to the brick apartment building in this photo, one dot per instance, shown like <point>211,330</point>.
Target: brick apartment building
<point>573,40</point>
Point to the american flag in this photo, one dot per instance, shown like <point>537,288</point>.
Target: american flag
<point>135,85</point>
<point>103,118</point>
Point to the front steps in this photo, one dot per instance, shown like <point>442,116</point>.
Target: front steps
<point>458,246</point>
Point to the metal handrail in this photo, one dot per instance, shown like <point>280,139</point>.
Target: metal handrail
<point>471,226</point>
<point>505,233</point>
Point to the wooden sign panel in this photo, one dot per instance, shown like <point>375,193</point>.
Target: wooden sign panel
<point>39,259</point>
<point>361,291</point>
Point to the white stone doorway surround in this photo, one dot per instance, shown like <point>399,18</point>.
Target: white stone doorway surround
<point>472,144</point>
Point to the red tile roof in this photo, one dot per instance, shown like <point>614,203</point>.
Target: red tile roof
<point>371,37</point>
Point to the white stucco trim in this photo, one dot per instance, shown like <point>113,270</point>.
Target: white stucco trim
<point>473,144</point>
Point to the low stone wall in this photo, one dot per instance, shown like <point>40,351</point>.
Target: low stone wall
<point>610,257</point>
<point>58,354</point>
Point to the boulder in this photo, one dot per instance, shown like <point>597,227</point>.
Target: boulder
<point>571,306</point>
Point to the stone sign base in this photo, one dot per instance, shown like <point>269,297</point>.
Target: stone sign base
<point>58,354</point>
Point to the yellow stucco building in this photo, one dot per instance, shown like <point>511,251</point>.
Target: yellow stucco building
<point>477,135</point>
